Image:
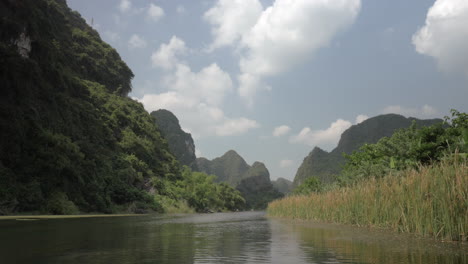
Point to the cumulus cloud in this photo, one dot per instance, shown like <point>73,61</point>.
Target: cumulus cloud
<point>235,126</point>
<point>194,97</point>
<point>291,31</point>
<point>209,85</point>
<point>273,40</point>
<point>361,118</point>
<point>286,163</point>
<point>199,118</point>
<point>136,42</point>
<point>165,56</point>
<point>125,6</point>
<point>281,131</point>
<point>155,13</point>
<point>425,111</point>
<point>445,35</point>
<point>325,137</point>
<point>230,19</point>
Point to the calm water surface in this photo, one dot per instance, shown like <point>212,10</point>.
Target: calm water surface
<point>211,238</point>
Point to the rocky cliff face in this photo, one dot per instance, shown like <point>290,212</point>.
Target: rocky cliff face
<point>325,165</point>
<point>180,143</point>
<point>230,168</point>
<point>252,181</point>
<point>70,138</point>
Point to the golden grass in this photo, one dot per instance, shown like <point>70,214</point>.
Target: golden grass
<point>431,201</point>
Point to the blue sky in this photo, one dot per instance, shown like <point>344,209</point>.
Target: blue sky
<point>271,79</point>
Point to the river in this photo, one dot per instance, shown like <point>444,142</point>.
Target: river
<point>247,237</point>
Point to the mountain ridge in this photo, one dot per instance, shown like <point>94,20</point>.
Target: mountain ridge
<point>252,181</point>
<point>325,165</point>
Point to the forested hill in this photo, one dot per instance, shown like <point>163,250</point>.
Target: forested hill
<point>282,185</point>
<point>230,168</point>
<point>325,165</point>
<point>252,181</point>
<point>180,143</point>
<point>70,138</point>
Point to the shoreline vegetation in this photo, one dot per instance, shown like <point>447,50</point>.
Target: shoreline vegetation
<point>415,181</point>
<point>431,201</point>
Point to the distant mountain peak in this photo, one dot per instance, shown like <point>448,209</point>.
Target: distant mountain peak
<point>324,165</point>
<point>180,142</point>
<point>231,153</point>
<point>252,181</point>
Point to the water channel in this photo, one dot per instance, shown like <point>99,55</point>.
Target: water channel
<point>246,237</point>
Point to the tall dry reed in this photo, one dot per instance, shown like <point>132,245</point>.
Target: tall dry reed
<point>431,201</point>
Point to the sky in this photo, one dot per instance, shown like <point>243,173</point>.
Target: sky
<point>272,79</point>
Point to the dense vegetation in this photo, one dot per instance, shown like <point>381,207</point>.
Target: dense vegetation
<point>325,166</point>
<point>230,168</point>
<point>70,138</point>
<point>180,143</point>
<point>430,201</point>
<point>199,191</point>
<point>256,187</point>
<point>407,148</point>
<point>253,182</point>
<point>283,185</point>
<point>414,181</point>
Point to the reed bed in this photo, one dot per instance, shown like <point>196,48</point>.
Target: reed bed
<point>431,201</point>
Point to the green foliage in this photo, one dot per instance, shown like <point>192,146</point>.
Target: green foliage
<point>327,165</point>
<point>58,203</point>
<point>310,185</point>
<point>201,192</point>
<point>68,133</point>
<point>414,181</point>
<point>253,182</point>
<point>282,185</point>
<point>180,143</point>
<point>406,148</point>
<point>230,168</point>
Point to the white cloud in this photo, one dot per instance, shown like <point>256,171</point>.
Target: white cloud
<point>125,6</point>
<point>155,12</point>
<point>290,32</point>
<point>165,56</point>
<point>249,85</point>
<point>286,163</point>
<point>327,137</point>
<point>199,118</point>
<point>194,97</point>
<point>209,85</point>
<point>445,35</point>
<point>273,40</point>
<point>361,118</point>
<point>281,131</point>
<point>136,42</point>
<point>230,19</point>
<point>236,126</point>
<point>426,111</point>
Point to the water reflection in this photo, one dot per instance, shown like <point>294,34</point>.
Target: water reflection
<point>211,238</point>
<point>326,243</point>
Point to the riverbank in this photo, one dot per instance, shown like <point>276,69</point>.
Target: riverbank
<point>42,217</point>
<point>431,201</point>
